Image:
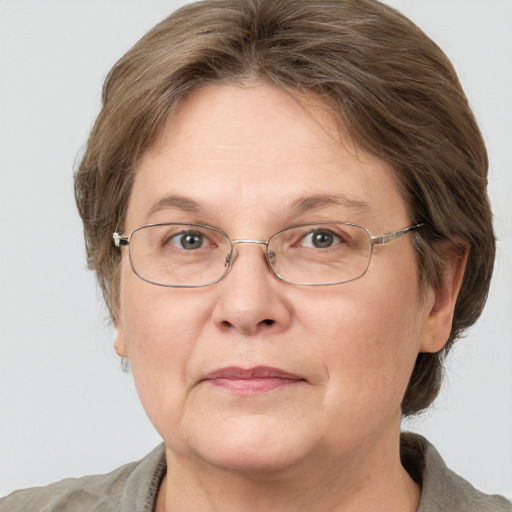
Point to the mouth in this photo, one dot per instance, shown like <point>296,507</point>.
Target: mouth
<point>260,379</point>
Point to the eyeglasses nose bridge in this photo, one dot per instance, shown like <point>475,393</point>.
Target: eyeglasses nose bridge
<point>261,242</point>
<point>234,252</point>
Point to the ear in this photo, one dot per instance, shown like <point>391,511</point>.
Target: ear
<point>119,343</point>
<point>440,303</point>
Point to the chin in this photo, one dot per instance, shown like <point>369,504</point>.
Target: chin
<point>255,444</point>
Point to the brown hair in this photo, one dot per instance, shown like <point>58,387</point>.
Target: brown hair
<point>392,88</point>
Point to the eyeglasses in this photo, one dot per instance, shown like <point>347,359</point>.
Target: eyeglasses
<point>194,255</point>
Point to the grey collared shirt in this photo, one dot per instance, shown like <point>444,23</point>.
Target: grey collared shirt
<point>134,487</point>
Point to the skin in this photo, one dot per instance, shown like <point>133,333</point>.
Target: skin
<point>245,156</point>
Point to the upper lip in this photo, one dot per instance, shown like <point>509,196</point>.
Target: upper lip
<point>257,372</point>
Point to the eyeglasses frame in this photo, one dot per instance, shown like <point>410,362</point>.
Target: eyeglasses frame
<point>120,241</point>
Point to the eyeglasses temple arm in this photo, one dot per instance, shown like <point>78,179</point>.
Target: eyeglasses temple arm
<point>388,237</point>
<point>119,241</point>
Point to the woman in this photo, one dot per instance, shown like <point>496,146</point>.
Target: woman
<point>288,217</point>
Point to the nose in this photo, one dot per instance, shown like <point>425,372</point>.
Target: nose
<point>251,299</point>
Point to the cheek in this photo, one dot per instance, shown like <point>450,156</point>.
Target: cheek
<point>156,321</point>
<point>368,336</point>
<point>159,327</point>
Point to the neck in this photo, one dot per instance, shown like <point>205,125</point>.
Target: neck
<point>371,480</point>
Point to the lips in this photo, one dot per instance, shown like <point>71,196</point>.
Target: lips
<point>260,379</point>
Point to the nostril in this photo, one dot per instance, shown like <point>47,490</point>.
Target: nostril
<point>225,325</point>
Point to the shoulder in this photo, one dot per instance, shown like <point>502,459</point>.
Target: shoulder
<point>132,487</point>
<point>442,489</point>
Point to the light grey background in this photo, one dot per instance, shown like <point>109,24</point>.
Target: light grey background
<point>66,408</point>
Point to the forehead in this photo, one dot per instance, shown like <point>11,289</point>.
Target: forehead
<point>232,150</point>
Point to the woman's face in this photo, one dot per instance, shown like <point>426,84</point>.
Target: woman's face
<point>333,361</point>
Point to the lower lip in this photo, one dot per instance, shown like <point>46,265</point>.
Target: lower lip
<point>253,385</point>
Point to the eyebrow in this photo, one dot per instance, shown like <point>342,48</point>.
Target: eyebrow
<point>175,201</point>
<point>306,204</point>
<point>300,205</point>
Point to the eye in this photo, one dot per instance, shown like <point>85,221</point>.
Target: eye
<point>188,240</point>
<point>320,239</point>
